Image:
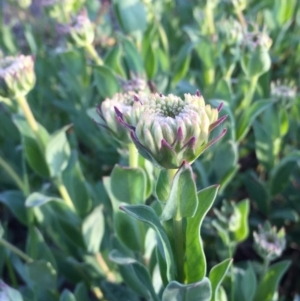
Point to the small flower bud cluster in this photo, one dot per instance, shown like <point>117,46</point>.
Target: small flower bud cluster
<point>230,32</point>
<point>253,40</point>
<point>17,76</point>
<point>80,32</point>
<point>135,84</point>
<point>283,90</point>
<point>269,243</point>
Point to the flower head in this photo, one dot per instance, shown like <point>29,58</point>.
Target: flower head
<point>171,130</point>
<point>283,90</point>
<point>231,31</point>
<point>128,103</point>
<point>17,76</point>
<point>269,243</point>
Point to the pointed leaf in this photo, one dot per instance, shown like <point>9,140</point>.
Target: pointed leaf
<point>242,231</point>
<point>199,291</point>
<point>67,296</point>
<point>37,199</point>
<point>163,186</point>
<point>148,215</point>
<point>182,201</point>
<point>195,257</point>
<point>216,276</point>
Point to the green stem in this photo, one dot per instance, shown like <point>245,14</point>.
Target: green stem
<point>209,76</point>
<point>15,250</point>
<point>230,251</point>
<point>10,171</point>
<point>11,272</point>
<point>266,264</point>
<point>93,53</point>
<point>64,193</point>
<point>210,19</point>
<point>249,96</point>
<point>133,155</point>
<point>241,18</point>
<point>179,247</point>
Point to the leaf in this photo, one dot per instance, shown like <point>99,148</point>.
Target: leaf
<point>150,62</point>
<point>37,199</point>
<point>182,201</point>
<point>15,200</point>
<point>269,284</point>
<point>285,214</point>
<point>280,174</point>
<point>113,60</point>
<point>163,185</point>
<point>93,229</point>
<point>176,291</point>
<point>67,296</point>
<point>132,57</point>
<point>128,185</point>
<point>81,292</point>
<point>148,215</point>
<point>105,81</point>
<point>246,283</point>
<point>139,269</point>
<point>58,152</point>
<point>242,231</point>
<point>216,276</point>
<point>195,258</point>
<point>42,274</point>
<point>9,294</point>
<point>37,249</point>
<point>33,153</point>
<point>182,62</point>
<point>246,119</point>
<point>1,230</point>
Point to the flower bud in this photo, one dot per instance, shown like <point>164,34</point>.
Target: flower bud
<point>129,104</point>
<point>80,32</point>
<point>171,130</point>
<point>17,76</point>
<point>283,91</point>
<point>269,243</point>
<point>256,58</point>
<point>230,32</point>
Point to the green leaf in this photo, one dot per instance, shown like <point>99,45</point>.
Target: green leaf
<point>247,118</point>
<point>113,60</point>
<point>105,81</point>
<point>242,231</point>
<point>195,257</point>
<point>150,63</point>
<point>67,296</point>
<point>148,215</point>
<point>93,229</point>
<point>284,122</point>
<point>246,283</point>
<point>33,153</point>
<point>128,185</point>
<point>269,284</point>
<point>216,276</point>
<point>9,294</point>
<point>15,200</point>
<point>176,291</point>
<point>37,249</point>
<point>58,152</point>
<point>280,174</point>
<point>139,269</point>
<point>75,183</point>
<point>131,15</point>
<point>37,199</point>
<point>163,185</point>
<point>182,62</point>
<point>1,230</point>
<point>81,292</point>
<point>132,57</point>
<point>42,274</point>
<point>285,214</point>
<point>182,201</point>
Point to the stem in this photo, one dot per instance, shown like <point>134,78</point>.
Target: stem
<point>249,96</point>
<point>210,19</point>
<point>110,276</point>
<point>15,250</point>
<point>241,18</point>
<point>133,155</point>
<point>231,273</point>
<point>64,193</point>
<point>179,248</point>
<point>265,268</point>
<point>30,119</point>
<point>11,272</point>
<point>93,53</point>
<point>209,76</point>
<point>10,171</point>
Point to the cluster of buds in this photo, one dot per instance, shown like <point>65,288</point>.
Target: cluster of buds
<point>283,91</point>
<point>136,84</point>
<point>130,105</point>
<point>17,76</point>
<point>230,32</point>
<point>80,32</point>
<point>269,243</point>
<point>170,130</point>
<point>256,58</point>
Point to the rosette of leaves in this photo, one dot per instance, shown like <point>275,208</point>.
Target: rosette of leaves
<point>17,76</point>
<point>171,129</point>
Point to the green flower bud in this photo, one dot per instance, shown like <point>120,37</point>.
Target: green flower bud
<point>269,243</point>
<point>130,105</point>
<point>135,84</point>
<point>256,58</point>
<point>230,32</point>
<point>171,130</point>
<point>17,76</point>
<point>81,31</point>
